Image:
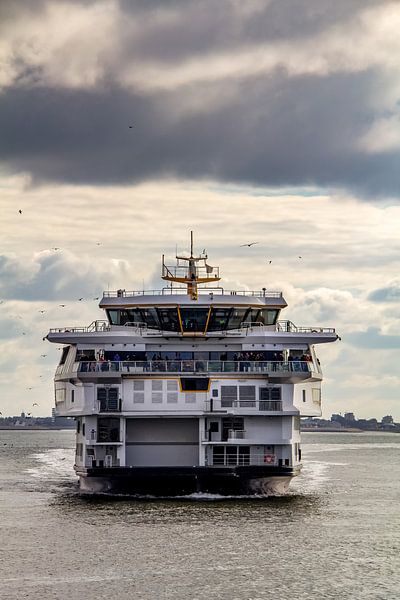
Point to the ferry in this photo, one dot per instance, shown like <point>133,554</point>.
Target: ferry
<point>190,389</point>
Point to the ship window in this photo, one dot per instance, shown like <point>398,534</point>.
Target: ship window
<point>228,395</point>
<point>108,399</point>
<point>168,319</point>
<point>113,316</point>
<point>64,354</point>
<point>149,316</point>
<point>252,315</point>
<point>267,316</point>
<point>219,318</point>
<point>247,395</point>
<point>194,319</point>
<point>85,355</point>
<point>138,391</point>
<point>108,430</point>
<point>236,317</point>
<point>130,316</point>
<point>195,384</point>
<point>72,395</point>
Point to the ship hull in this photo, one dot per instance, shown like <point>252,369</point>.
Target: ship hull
<point>172,482</point>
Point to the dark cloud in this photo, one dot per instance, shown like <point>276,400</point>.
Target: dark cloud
<point>277,132</point>
<point>55,277</point>
<point>266,130</point>
<point>389,293</point>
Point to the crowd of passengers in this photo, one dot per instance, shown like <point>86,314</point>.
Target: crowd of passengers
<point>176,361</point>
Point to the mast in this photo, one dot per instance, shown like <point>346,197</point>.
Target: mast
<point>191,271</point>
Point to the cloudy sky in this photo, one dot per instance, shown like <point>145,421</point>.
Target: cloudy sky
<point>125,124</point>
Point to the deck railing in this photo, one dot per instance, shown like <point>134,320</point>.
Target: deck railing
<point>218,405</point>
<point>245,459</point>
<point>196,366</point>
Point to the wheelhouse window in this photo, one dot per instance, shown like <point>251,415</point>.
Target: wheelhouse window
<point>194,319</point>
<point>236,317</point>
<point>168,318</point>
<point>219,318</point>
<point>64,354</point>
<point>267,316</point>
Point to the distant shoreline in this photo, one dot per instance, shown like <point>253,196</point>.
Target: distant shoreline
<point>345,430</point>
<point>33,428</point>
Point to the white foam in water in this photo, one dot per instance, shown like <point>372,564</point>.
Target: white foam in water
<point>55,464</point>
<point>314,475</point>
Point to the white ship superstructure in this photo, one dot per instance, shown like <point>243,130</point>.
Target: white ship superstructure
<point>189,389</point>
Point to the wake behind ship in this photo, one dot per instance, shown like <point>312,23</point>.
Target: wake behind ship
<point>189,389</point>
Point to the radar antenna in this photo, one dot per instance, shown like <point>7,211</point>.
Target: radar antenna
<point>190,270</point>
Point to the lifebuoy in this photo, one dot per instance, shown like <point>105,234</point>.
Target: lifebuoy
<point>269,458</point>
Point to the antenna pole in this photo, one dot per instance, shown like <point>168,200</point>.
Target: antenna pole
<point>191,244</point>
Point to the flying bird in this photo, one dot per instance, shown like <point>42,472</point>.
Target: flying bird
<point>96,298</point>
<point>35,404</point>
<point>62,305</point>
<point>269,262</point>
<point>43,355</point>
<point>20,211</point>
<point>41,311</point>
<point>80,299</point>
<point>251,244</point>
<point>98,243</point>
<point>300,257</point>
<point>55,249</point>
<point>130,126</point>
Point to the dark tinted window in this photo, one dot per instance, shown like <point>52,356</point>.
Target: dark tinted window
<point>194,319</point>
<point>219,318</point>
<point>64,355</point>
<point>192,384</point>
<point>267,316</point>
<point>168,318</point>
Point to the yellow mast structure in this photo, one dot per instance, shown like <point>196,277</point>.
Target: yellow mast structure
<point>193,271</point>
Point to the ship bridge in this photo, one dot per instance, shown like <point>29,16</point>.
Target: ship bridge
<point>192,310</point>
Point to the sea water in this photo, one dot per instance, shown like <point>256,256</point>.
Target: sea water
<point>335,535</point>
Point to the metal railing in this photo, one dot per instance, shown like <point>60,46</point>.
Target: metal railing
<point>244,459</point>
<point>93,327</point>
<point>236,434</point>
<point>197,366</point>
<point>183,290</point>
<point>216,405</point>
<point>289,327</point>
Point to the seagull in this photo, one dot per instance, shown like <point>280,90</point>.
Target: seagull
<point>55,249</point>
<point>35,404</point>
<point>43,355</point>
<point>29,388</point>
<point>80,299</point>
<point>41,311</point>
<point>300,257</point>
<point>130,126</point>
<point>251,244</point>
<point>20,211</point>
<point>98,243</point>
<point>62,305</point>
<point>269,262</point>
